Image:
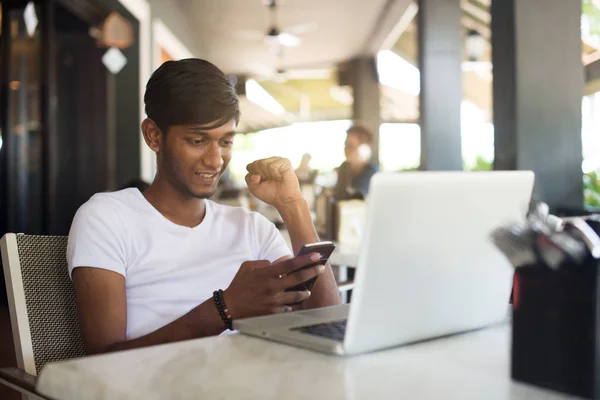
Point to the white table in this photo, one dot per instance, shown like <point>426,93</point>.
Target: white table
<point>469,366</point>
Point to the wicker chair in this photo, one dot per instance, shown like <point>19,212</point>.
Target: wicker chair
<point>42,307</point>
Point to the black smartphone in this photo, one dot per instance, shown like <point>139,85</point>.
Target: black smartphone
<point>324,249</point>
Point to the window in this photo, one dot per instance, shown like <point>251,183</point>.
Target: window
<point>477,138</point>
<point>399,146</point>
<point>323,140</point>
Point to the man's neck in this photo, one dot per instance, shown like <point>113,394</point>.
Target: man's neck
<point>178,207</point>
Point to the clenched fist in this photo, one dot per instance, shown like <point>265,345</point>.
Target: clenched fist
<point>273,181</point>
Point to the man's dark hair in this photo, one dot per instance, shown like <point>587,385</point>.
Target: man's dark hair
<point>190,92</point>
<point>364,135</point>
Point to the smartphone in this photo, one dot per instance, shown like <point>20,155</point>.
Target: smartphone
<point>324,249</point>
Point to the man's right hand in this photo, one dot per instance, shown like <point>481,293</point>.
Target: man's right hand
<point>258,288</point>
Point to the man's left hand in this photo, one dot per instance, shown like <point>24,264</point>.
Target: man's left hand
<point>273,181</point>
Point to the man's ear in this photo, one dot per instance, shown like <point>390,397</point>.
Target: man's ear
<point>152,134</point>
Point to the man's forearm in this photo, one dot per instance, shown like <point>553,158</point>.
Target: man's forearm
<point>203,320</point>
<point>298,222</point>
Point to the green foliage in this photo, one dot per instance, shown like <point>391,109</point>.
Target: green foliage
<point>591,190</point>
<point>410,169</point>
<point>591,17</point>
<point>481,165</point>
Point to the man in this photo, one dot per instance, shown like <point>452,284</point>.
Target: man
<point>354,175</point>
<point>145,265</point>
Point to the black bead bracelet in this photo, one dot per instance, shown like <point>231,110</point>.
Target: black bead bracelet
<point>223,311</point>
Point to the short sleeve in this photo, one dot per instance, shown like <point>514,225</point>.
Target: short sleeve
<point>270,244</point>
<point>97,237</point>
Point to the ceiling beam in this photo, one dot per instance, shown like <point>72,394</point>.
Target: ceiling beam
<point>401,27</point>
<point>475,11</point>
<point>592,71</point>
<point>591,57</point>
<point>394,18</point>
<point>589,42</point>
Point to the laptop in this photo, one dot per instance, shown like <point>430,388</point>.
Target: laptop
<point>426,267</point>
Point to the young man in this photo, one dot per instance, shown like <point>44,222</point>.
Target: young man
<point>354,175</point>
<point>145,265</point>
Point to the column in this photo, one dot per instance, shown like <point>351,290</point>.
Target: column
<point>538,88</point>
<point>361,74</point>
<point>440,55</point>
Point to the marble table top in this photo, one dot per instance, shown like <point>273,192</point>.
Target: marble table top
<point>468,366</point>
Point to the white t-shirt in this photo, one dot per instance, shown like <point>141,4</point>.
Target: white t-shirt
<point>169,269</point>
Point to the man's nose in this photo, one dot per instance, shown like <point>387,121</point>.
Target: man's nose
<point>213,157</point>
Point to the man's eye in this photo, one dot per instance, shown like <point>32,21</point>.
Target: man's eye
<point>196,141</point>
<point>227,143</point>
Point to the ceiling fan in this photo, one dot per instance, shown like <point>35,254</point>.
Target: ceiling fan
<point>276,36</point>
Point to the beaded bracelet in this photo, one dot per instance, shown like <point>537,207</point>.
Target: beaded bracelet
<point>223,311</point>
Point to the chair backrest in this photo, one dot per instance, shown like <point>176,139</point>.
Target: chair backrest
<point>351,220</point>
<point>326,216</point>
<point>41,300</point>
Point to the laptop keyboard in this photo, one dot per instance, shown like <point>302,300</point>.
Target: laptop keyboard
<point>332,330</point>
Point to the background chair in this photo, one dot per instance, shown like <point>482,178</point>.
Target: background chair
<point>341,222</point>
<point>43,312</point>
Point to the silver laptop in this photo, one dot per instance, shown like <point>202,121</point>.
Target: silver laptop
<point>426,267</point>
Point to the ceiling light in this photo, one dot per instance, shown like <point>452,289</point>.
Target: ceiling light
<point>341,94</point>
<point>474,45</point>
<point>397,73</point>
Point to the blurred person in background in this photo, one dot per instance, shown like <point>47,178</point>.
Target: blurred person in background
<point>354,175</point>
<point>305,174</point>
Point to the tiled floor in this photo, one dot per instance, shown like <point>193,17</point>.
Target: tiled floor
<point>7,352</point>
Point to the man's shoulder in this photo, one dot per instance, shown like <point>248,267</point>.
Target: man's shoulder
<point>370,169</point>
<point>343,166</point>
<point>109,202</point>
